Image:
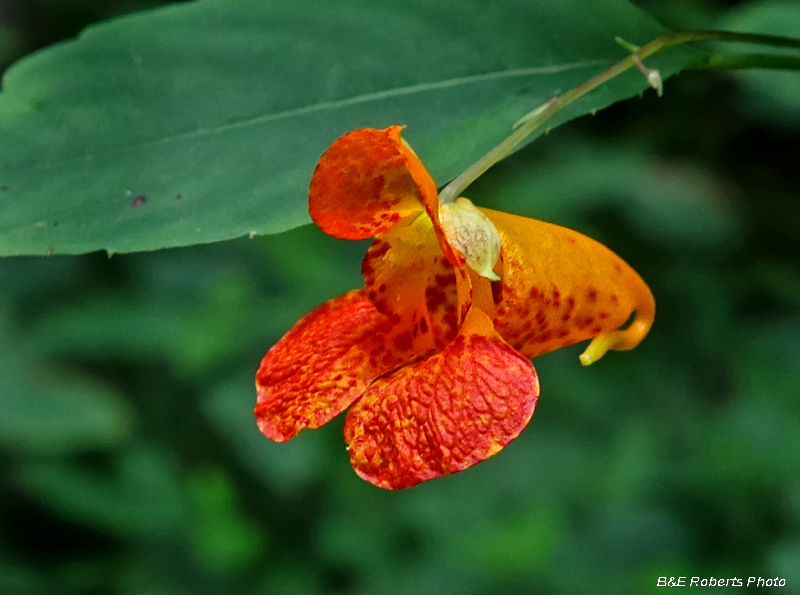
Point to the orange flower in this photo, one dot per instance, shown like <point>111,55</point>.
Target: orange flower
<point>432,356</point>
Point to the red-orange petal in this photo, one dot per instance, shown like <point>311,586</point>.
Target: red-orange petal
<point>444,413</point>
<point>322,365</point>
<point>560,287</point>
<point>366,182</point>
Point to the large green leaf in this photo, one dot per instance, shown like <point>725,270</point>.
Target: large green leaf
<point>203,121</point>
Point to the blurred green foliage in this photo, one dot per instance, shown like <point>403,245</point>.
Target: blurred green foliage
<point>132,464</point>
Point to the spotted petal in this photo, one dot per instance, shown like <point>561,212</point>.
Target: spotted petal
<point>322,365</point>
<point>444,413</point>
<point>366,182</point>
<point>560,287</point>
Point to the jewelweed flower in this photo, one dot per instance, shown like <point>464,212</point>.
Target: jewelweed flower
<point>432,356</point>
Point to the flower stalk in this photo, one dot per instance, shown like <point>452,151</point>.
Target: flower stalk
<point>531,122</point>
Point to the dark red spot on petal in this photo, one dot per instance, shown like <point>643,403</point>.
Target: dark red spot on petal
<point>435,298</point>
<point>404,341</point>
<point>444,281</point>
<point>497,291</point>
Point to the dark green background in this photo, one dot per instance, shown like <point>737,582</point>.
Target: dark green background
<point>131,463</point>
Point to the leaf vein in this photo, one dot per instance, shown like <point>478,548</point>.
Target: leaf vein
<point>330,105</point>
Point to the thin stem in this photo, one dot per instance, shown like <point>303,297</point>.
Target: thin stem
<point>528,124</point>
